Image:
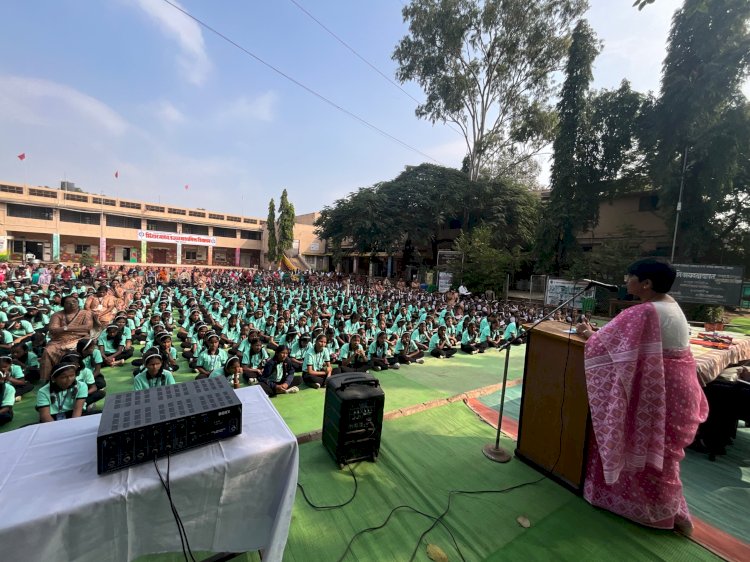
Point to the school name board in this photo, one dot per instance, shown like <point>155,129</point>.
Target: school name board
<point>174,238</point>
<point>560,290</point>
<point>708,284</point>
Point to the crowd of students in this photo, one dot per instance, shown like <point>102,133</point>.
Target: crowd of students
<point>249,326</point>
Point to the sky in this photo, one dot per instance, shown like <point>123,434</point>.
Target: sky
<point>91,87</point>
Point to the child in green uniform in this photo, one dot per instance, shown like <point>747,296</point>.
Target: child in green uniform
<point>211,357</point>
<point>380,354</point>
<point>154,373</point>
<point>253,361</point>
<point>13,375</point>
<point>63,397</point>
<point>231,370</point>
<point>7,400</point>
<point>316,365</point>
<point>407,351</point>
<point>278,374</point>
<point>440,344</point>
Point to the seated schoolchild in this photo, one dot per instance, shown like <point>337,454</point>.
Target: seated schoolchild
<point>112,347</point>
<point>14,375</point>
<point>231,370</point>
<point>380,354</point>
<point>7,400</point>
<point>278,375</point>
<point>153,372</point>
<point>490,335</point>
<point>168,352</point>
<point>86,376</point>
<point>253,361</point>
<point>470,340</point>
<point>440,344</point>
<point>211,357</point>
<point>407,351</point>
<point>27,360</point>
<point>316,365</point>
<point>333,344</point>
<point>92,359</point>
<point>352,356</point>
<point>63,397</point>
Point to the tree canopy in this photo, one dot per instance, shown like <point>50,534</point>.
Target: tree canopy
<point>486,66</point>
<point>419,206</point>
<point>271,227</point>
<point>286,224</point>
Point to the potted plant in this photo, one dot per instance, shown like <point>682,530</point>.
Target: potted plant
<point>714,318</point>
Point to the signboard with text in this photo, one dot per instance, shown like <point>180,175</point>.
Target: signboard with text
<point>708,284</point>
<point>175,238</point>
<point>560,290</point>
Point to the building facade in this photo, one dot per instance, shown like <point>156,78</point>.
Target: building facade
<point>61,226</point>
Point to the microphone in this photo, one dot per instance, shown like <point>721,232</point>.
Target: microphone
<point>592,283</point>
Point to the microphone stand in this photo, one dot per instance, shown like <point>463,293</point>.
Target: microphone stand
<point>495,452</point>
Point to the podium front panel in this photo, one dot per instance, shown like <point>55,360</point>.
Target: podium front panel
<point>553,425</point>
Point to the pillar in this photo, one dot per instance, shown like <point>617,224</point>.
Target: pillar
<point>144,251</point>
<point>55,247</point>
<point>102,249</point>
<point>210,255</point>
<point>390,266</point>
<point>236,257</point>
<point>355,264</point>
<point>179,253</point>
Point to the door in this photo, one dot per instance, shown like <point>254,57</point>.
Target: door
<point>160,255</point>
<point>125,254</point>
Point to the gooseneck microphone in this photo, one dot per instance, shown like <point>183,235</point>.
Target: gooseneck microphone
<point>591,283</point>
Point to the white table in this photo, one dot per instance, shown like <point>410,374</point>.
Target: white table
<point>233,496</point>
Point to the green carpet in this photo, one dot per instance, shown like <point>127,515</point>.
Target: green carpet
<point>717,492</point>
<point>422,458</point>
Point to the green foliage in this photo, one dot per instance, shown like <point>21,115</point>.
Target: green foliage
<point>485,65</point>
<point>701,109</point>
<point>414,209</point>
<point>484,266</point>
<point>286,225</point>
<point>86,260</point>
<point>573,203</point>
<point>609,261</point>
<point>271,226</point>
<point>4,257</point>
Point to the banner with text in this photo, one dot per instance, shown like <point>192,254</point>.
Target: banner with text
<point>175,238</point>
<point>708,284</point>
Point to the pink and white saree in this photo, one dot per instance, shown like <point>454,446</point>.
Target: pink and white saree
<point>646,404</point>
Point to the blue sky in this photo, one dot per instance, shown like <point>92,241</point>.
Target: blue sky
<point>88,87</point>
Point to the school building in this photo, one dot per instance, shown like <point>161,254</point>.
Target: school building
<point>61,225</point>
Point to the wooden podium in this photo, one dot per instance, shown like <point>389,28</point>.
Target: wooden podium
<point>554,417</point>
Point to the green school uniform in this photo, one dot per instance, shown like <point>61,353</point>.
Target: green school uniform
<point>142,382</point>
<point>316,358</point>
<point>210,362</point>
<point>64,401</point>
<point>8,399</point>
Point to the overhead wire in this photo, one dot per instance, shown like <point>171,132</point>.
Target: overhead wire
<point>363,59</point>
<point>298,83</point>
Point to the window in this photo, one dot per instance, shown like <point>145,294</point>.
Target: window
<point>78,217</point>
<point>225,232</point>
<point>215,216</point>
<point>129,205</point>
<point>234,219</point>
<point>155,208</point>
<point>648,203</point>
<point>82,249</point>
<point>29,212</point>
<point>11,189</point>
<point>100,201</point>
<point>76,197</point>
<point>191,255</point>
<point>249,234</point>
<point>195,229</point>
<point>176,211</point>
<point>43,193</point>
<point>250,221</point>
<point>162,226</point>
<point>197,214</point>
<point>123,222</point>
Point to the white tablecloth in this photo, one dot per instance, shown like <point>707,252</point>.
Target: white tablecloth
<point>233,496</point>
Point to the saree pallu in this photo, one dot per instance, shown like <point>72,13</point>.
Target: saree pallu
<point>646,405</point>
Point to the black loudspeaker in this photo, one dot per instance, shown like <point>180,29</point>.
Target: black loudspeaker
<point>353,417</point>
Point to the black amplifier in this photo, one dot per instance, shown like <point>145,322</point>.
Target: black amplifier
<point>139,425</point>
<point>353,417</point>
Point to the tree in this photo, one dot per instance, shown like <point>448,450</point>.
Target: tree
<point>271,226</point>
<point>286,225</point>
<point>573,204</point>
<point>484,266</point>
<point>700,99</point>
<point>485,65</point>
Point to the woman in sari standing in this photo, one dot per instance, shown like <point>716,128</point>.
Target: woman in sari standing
<point>646,403</point>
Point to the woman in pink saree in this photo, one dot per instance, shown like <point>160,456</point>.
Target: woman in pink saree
<point>646,404</point>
